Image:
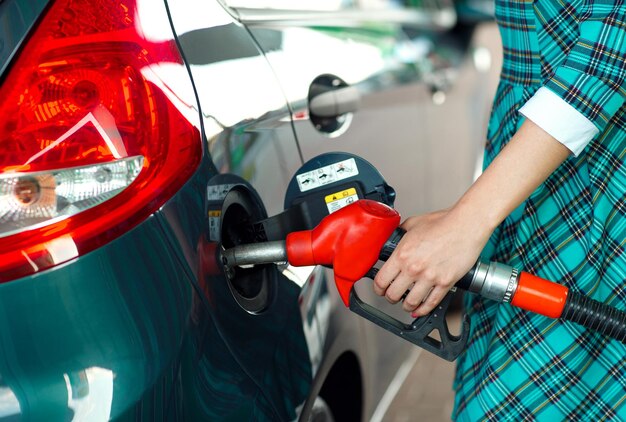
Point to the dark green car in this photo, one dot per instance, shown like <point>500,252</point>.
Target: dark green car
<point>135,138</point>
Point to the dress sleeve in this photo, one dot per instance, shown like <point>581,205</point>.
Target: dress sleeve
<point>592,77</point>
<point>566,124</point>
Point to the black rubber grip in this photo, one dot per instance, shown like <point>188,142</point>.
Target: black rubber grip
<point>595,316</point>
<point>391,243</point>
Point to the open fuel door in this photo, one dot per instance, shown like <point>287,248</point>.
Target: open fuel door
<point>322,186</point>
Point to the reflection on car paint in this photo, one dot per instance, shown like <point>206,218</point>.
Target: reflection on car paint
<point>281,365</point>
<point>90,393</point>
<point>115,318</point>
<point>9,404</point>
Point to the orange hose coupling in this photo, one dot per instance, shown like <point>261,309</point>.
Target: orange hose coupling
<point>503,283</point>
<point>540,296</point>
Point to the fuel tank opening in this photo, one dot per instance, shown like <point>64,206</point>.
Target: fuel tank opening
<point>251,286</point>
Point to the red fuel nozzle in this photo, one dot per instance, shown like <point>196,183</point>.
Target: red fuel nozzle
<point>349,240</point>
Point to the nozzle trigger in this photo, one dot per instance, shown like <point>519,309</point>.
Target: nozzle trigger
<point>448,347</point>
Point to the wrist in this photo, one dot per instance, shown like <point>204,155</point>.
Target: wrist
<point>526,161</point>
<point>481,214</point>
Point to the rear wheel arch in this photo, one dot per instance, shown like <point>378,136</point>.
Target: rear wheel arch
<point>342,389</point>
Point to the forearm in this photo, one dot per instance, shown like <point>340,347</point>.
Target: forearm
<point>439,248</point>
<point>526,162</point>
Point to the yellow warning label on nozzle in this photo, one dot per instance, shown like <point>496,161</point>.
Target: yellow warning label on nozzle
<point>338,200</point>
<point>215,213</point>
<point>340,195</point>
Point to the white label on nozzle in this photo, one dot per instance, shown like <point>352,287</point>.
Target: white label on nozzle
<point>219,192</point>
<point>327,175</point>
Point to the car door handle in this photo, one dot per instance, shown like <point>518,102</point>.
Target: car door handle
<point>335,102</point>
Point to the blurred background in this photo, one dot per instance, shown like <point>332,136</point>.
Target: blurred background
<point>426,394</point>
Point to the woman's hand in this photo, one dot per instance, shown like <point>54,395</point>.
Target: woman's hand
<point>436,251</point>
<point>439,248</point>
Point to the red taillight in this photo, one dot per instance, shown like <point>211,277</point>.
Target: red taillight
<point>92,139</point>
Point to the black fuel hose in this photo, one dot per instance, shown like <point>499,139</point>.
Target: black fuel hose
<point>595,315</point>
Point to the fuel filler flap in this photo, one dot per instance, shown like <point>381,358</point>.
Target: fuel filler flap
<point>322,186</point>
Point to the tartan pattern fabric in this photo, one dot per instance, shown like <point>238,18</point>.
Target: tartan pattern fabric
<point>572,229</point>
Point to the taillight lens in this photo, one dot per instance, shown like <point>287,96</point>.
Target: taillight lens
<point>92,140</point>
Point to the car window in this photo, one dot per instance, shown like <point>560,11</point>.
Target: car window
<point>311,5</point>
<point>322,5</point>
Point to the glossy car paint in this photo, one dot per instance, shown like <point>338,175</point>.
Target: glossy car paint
<point>18,17</point>
<point>136,331</point>
<point>146,328</point>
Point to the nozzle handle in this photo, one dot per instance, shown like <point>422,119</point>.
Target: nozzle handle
<point>348,240</point>
<point>419,332</point>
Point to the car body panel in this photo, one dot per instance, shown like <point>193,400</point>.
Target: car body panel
<point>239,357</point>
<point>17,17</point>
<point>114,318</point>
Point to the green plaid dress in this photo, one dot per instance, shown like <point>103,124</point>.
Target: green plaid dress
<point>572,229</point>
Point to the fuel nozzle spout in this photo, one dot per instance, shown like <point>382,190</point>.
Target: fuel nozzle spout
<point>255,254</point>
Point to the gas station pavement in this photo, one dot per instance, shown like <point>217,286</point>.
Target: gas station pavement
<point>426,394</point>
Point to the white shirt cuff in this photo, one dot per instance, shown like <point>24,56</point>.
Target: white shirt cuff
<point>562,121</point>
